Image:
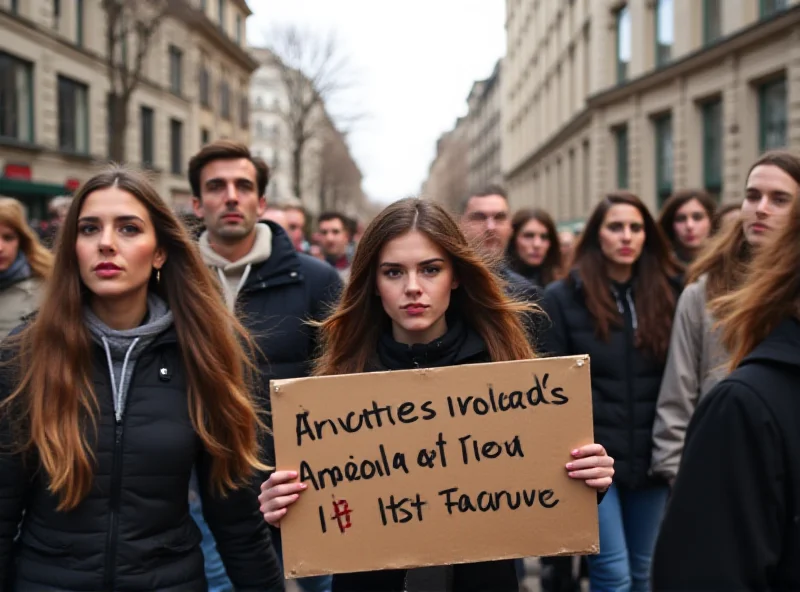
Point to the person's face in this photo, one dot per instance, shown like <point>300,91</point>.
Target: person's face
<point>691,224</point>
<point>415,279</point>
<point>487,222</point>
<point>9,246</point>
<point>622,234</point>
<point>333,237</point>
<point>295,223</point>
<point>116,245</point>
<point>273,215</point>
<point>533,242</point>
<point>229,202</point>
<point>768,201</point>
<point>566,241</point>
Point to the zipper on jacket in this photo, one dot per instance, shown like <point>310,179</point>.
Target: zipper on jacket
<point>114,504</point>
<point>630,340</point>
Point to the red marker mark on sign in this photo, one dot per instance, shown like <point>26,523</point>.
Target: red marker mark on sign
<point>341,513</point>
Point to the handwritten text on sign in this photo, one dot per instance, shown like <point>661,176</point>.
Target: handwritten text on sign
<point>435,466</point>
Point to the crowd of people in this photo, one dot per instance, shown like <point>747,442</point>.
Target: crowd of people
<point>138,347</point>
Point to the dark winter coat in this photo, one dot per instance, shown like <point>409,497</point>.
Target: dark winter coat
<point>133,532</point>
<point>625,379</point>
<point>733,522</point>
<point>280,296</point>
<point>460,345</point>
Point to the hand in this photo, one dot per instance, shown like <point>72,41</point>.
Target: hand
<point>277,494</point>
<point>593,465</point>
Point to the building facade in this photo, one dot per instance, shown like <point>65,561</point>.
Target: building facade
<point>54,109</point>
<point>646,95</point>
<point>448,175</point>
<point>331,179</point>
<point>485,131</point>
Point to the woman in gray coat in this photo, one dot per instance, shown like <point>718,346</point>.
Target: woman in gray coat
<point>697,360</point>
<point>24,265</point>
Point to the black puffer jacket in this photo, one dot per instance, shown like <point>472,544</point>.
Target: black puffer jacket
<point>625,379</point>
<point>133,532</point>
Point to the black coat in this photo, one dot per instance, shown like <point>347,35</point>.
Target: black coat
<point>733,522</point>
<point>280,296</point>
<point>133,531</point>
<point>625,379</point>
<point>460,345</point>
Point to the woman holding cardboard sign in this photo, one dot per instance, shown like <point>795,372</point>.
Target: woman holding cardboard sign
<point>419,296</point>
<point>617,306</point>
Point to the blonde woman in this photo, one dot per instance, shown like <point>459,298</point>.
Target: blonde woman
<point>24,264</point>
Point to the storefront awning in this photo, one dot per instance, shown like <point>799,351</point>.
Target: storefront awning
<point>19,188</point>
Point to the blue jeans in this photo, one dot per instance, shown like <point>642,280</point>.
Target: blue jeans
<point>311,584</point>
<point>629,523</point>
<point>215,570</point>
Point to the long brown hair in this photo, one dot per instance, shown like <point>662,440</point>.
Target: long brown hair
<point>54,403</point>
<point>350,335</point>
<point>551,267</point>
<point>654,296</point>
<point>12,214</point>
<point>769,293</point>
<point>726,256</point>
<point>677,200</point>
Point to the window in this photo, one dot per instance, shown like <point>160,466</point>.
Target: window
<point>205,137</point>
<point>771,7</point>
<point>663,133</point>
<point>712,146</point>
<point>623,43</point>
<point>772,101</point>
<point>221,13</point>
<point>79,22</point>
<point>73,116</point>
<point>147,117</point>
<point>204,5</point>
<point>621,134</point>
<point>14,6</point>
<point>244,112</point>
<point>205,87</point>
<point>175,69</point>
<point>259,130</point>
<point>16,99</point>
<point>224,100</point>
<point>712,21</point>
<point>176,146</point>
<point>56,13</point>
<point>239,29</point>
<point>665,31</point>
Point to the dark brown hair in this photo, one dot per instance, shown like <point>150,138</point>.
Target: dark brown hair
<point>768,293</point>
<point>350,335</point>
<point>654,295</point>
<point>551,267</point>
<point>678,199</point>
<point>723,211</point>
<point>347,223</point>
<point>726,256</point>
<point>54,401</point>
<point>226,150</point>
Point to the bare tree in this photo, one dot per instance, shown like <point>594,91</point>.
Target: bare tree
<point>339,176</point>
<point>129,21</point>
<point>314,74</point>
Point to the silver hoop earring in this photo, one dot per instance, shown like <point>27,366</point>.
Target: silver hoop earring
<point>158,276</point>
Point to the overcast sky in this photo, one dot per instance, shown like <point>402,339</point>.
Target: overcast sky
<point>416,61</point>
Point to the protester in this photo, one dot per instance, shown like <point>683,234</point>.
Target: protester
<point>732,521</point>
<point>696,360</point>
<point>274,289</point>
<point>24,265</point>
<point>131,372</point>
<point>420,296</point>
<point>57,212</point>
<point>687,221</point>
<point>534,251</point>
<point>277,215</point>
<point>335,236</point>
<point>566,240</point>
<point>616,305</point>
<point>296,227</point>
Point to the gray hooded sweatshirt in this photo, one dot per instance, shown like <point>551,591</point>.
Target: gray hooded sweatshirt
<point>123,348</point>
<point>233,274</point>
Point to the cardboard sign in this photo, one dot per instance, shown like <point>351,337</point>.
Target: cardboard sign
<point>435,466</point>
